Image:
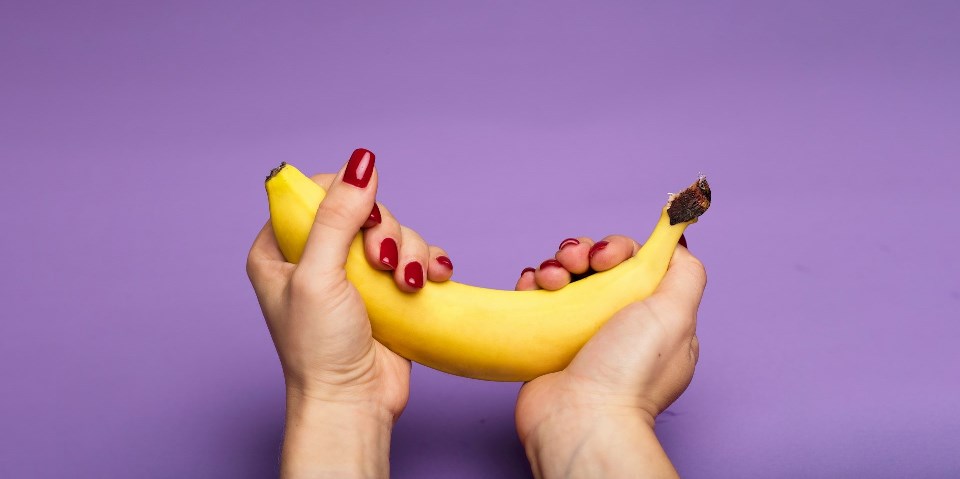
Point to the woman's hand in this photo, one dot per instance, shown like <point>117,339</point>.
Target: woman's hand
<point>596,417</point>
<point>344,389</point>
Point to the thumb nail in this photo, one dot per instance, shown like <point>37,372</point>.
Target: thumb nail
<point>359,168</point>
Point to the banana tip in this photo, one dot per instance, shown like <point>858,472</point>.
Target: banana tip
<point>275,171</point>
<point>690,203</point>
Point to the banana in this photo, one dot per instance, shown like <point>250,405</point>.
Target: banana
<point>478,332</point>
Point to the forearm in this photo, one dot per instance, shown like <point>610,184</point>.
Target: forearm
<point>334,440</point>
<point>597,445</point>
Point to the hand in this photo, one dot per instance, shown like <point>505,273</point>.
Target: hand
<point>596,417</point>
<point>344,389</point>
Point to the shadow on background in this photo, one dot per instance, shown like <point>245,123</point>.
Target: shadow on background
<point>457,427</point>
<point>249,433</point>
<point>447,432</point>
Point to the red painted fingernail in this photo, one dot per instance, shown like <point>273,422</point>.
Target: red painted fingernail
<point>597,247</point>
<point>413,274</point>
<point>389,255</point>
<point>445,261</point>
<point>550,263</point>
<point>359,168</point>
<point>683,241</point>
<point>374,218</point>
<point>569,242</point>
<point>532,270</point>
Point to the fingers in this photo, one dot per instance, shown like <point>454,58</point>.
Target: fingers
<point>419,260</point>
<point>346,207</point>
<point>414,254</point>
<point>613,250</point>
<point>573,254</point>
<point>381,242</point>
<point>390,246</point>
<point>439,268</point>
<point>527,280</point>
<point>551,275</point>
<point>576,258</point>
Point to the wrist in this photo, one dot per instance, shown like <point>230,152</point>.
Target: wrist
<point>358,400</point>
<point>325,438</point>
<point>596,442</point>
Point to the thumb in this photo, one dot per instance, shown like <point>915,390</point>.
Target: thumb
<point>341,214</point>
<point>680,290</point>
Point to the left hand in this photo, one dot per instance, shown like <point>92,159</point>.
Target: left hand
<point>338,378</point>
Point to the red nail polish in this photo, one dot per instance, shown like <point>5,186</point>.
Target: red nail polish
<point>374,219</point>
<point>683,241</point>
<point>413,274</point>
<point>532,270</point>
<point>359,168</point>
<point>550,263</point>
<point>569,242</point>
<point>597,247</point>
<point>389,255</point>
<point>445,261</point>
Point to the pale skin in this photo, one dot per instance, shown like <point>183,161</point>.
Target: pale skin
<point>345,390</point>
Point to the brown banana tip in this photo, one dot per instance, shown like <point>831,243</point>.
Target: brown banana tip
<point>690,203</point>
<point>275,171</point>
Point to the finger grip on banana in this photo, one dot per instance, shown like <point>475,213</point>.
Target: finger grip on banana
<point>479,332</point>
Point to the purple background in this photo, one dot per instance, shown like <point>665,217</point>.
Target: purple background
<point>135,137</point>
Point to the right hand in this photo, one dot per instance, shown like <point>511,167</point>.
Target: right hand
<point>630,371</point>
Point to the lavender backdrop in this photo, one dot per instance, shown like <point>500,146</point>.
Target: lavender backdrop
<point>135,136</point>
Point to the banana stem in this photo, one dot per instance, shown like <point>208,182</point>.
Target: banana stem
<point>690,203</point>
<point>276,171</point>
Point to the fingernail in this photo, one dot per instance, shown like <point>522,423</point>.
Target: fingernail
<point>597,247</point>
<point>569,242</point>
<point>683,241</point>
<point>413,274</point>
<point>359,168</point>
<point>374,219</point>
<point>550,263</point>
<point>445,261</point>
<point>389,255</point>
<point>532,270</point>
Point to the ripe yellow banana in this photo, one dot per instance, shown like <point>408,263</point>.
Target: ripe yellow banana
<point>478,332</point>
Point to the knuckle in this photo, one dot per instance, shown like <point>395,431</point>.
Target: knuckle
<point>647,321</point>
<point>303,286</point>
<point>298,284</point>
<point>387,221</point>
<point>668,311</point>
<point>411,234</point>
<point>695,349</point>
<point>638,308</point>
<point>251,267</point>
<point>696,269</point>
<point>334,215</point>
